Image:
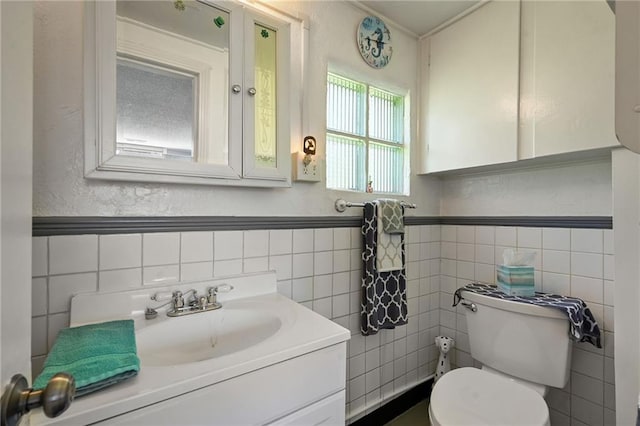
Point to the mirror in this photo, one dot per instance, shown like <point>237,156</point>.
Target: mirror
<point>191,91</point>
<point>172,71</point>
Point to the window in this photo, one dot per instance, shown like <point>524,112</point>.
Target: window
<point>365,137</point>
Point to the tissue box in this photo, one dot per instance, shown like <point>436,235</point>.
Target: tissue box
<point>516,280</point>
<point>516,290</point>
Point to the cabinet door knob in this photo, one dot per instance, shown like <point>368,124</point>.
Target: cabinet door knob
<point>236,88</point>
<point>636,108</point>
<point>251,91</point>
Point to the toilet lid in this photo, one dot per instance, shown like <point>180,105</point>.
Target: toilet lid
<point>469,396</point>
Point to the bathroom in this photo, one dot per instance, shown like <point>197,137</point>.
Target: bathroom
<point>84,239</point>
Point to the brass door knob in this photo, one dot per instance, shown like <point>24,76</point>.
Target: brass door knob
<point>54,399</point>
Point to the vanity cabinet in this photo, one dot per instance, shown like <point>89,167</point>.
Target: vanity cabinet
<point>309,389</point>
<point>518,80</point>
<point>199,94</point>
<point>259,359</point>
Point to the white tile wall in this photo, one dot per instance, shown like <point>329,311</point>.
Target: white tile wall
<point>280,241</point>
<point>196,247</point>
<point>160,249</point>
<point>256,243</point>
<point>120,251</point>
<point>69,254</point>
<point>320,268</point>
<point>39,253</point>
<point>227,245</point>
<point>576,262</point>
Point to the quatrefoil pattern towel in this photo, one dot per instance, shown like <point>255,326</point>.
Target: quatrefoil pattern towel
<point>389,245</point>
<point>392,216</point>
<point>583,326</point>
<point>384,293</point>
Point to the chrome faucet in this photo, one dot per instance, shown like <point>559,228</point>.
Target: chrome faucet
<point>196,303</point>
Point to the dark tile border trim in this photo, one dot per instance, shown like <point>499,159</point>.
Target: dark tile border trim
<point>592,222</point>
<point>77,225</point>
<point>397,406</point>
<point>66,225</point>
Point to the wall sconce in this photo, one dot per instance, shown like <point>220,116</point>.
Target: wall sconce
<point>305,163</point>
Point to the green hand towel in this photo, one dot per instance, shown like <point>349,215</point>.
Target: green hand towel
<point>96,355</point>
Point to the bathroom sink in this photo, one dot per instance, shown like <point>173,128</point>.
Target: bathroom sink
<point>249,343</point>
<point>203,336</point>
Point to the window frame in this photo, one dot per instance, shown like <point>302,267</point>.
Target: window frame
<point>403,143</point>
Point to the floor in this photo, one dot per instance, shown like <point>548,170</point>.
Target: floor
<point>414,416</point>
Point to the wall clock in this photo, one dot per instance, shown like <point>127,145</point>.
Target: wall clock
<point>374,42</point>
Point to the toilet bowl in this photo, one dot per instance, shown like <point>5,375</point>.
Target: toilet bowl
<point>524,349</point>
<point>469,396</point>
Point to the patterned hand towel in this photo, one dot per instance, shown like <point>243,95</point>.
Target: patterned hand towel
<point>384,294</point>
<point>392,215</point>
<point>96,355</point>
<point>583,326</point>
<point>389,246</point>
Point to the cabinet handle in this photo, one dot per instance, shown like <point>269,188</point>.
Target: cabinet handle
<point>251,91</point>
<point>636,108</point>
<point>236,88</point>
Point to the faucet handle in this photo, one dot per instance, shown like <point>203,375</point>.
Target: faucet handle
<point>211,295</point>
<point>178,300</point>
<point>223,288</point>
<point>161,296</point>
<point>201,302</point>
<point>213,291</point>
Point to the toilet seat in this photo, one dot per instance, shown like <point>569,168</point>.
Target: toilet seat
<point>469,396</point>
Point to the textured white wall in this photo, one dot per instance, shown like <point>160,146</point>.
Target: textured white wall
<point>578,189</point>
<point>61,190</point>
<point>626,187</point>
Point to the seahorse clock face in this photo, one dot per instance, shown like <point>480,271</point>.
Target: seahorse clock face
<point>374,42</point>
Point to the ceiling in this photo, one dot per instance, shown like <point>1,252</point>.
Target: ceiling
<point>418,16</point>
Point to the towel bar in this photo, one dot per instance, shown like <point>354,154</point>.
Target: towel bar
<point>341,205</point>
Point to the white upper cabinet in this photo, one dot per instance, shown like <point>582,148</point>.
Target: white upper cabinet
<point>567,77</point>
<point>518,80</point>
<point>196,94</point>
<point>472,95</point>
<point>628,74</point>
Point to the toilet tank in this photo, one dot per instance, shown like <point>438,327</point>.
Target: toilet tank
<point>526,341</point>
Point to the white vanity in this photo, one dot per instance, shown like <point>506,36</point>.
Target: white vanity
<point>260,359</point>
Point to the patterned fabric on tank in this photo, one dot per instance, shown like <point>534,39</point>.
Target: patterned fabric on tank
<point>583,326</point>
<point>392,216</point>
<point>384,294</point>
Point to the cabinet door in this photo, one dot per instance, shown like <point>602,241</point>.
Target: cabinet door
<point>266,106</point>
<point>628,74</point>
<point>263,396</point>
<point>472,107</point>
<point>568,57</point>
<point>329,411</point>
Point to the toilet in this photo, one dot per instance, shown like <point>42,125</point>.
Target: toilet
<point>524,349</point>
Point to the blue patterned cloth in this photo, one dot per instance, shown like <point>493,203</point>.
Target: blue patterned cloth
<point>583,326</point>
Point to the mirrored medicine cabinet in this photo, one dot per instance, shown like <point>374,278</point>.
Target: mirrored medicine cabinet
<point>191,91</point>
